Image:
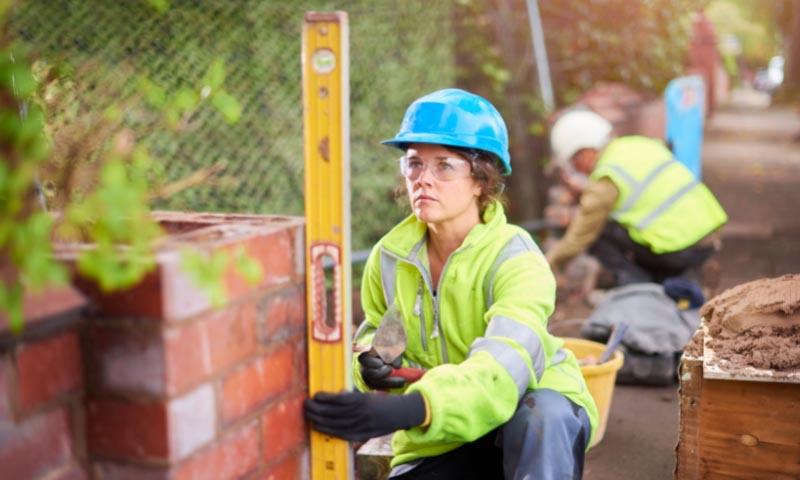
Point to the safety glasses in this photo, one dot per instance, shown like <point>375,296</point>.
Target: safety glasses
<point>444,169</point>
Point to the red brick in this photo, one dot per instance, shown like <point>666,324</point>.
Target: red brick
<point>35,446</point>
<point>72,471</point>
<point>166,293</point>
<point>47,369</point>
<point>256,383</point>
<point>232,334</point>
<point>152,430</point>
<point>293,467</point>
<point>119,471</point>
<point>301,361</point>
<point>5,389</point>
<point>215,341</point>
<point>126,429</point>
<point>145,299</point>
<point>128,358</point>
<point>282,314</point>
<point>283,427</point>
<point>186,356</point>
<point>39,306</point>
<point>273,252</point>
<point>181,296</point>
<point>232,458</point>
<point>192,421</point>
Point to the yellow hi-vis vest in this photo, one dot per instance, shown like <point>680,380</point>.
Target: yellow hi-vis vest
<point>661,204</point>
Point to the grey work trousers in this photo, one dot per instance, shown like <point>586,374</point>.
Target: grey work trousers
<point>545,439</point>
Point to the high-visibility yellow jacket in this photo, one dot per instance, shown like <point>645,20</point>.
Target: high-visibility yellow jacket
<point>662,205</point>
<point>482,338</point>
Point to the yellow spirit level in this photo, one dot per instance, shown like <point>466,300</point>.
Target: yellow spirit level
<point>326,141</point>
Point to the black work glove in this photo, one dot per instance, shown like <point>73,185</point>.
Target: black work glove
<point>357,416</point>
<point>377,374</point>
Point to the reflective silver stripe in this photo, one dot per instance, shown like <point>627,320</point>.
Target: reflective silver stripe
<point>517,245</point>
<point>501,326</point>
<point>388,270</point>
<point>415,251</point>
<point>625,175</point>
<point>666,204</point>
<point>506,356</point>
<point>559,357</point>
<point>639,187</point>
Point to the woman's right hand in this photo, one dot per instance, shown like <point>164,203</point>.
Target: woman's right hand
<point>377,374</point>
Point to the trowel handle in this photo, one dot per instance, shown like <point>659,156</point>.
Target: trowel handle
<point>410,375</point>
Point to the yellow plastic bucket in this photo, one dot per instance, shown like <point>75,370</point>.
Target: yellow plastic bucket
<point>599,378</point>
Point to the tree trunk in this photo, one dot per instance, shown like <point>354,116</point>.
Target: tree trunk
<point>791,81</point>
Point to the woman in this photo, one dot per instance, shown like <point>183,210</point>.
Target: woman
<point>500,398</point>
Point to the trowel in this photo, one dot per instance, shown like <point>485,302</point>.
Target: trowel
<point>390,342</point>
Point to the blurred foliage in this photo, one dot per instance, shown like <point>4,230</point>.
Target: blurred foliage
<point>753,24</point>
<point>25,251</point>
<point>641,43</point>
<point>495,59</point>
<point>110,213</point>
<point>73,154</point>
<point>397,54</point>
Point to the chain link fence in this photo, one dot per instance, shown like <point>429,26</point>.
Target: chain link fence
<point>398,50</point>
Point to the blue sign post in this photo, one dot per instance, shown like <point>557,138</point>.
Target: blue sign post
<point>684,98</point>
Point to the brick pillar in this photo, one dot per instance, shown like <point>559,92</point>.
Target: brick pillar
<point>179,389</point>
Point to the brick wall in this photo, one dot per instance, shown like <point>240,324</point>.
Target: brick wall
<point>42,390</point>
<point>155,383</point>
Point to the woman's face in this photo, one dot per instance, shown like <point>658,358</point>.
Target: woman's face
<point>440,186</point>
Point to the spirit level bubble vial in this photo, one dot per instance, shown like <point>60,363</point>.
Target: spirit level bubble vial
<point>326,142</point>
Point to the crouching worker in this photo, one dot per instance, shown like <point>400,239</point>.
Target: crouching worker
<point>644,215</point>
<point>500,397</point>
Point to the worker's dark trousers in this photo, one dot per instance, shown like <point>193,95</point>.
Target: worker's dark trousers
<point>630,262</point>
<point>545,439</point>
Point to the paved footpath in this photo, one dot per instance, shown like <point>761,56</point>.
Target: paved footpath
<point>751,161</point>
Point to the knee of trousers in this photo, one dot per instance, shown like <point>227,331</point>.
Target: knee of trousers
<point>546,414</point>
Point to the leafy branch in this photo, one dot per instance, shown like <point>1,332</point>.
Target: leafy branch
<point>97,182</point>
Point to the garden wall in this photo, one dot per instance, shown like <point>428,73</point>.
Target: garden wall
<point>154,382</point>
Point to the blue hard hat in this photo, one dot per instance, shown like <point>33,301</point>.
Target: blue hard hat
<point>455,118</point>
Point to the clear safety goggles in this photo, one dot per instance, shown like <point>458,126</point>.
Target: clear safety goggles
<point>444,169</point>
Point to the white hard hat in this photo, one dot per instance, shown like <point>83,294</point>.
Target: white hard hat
<point>578,129</point>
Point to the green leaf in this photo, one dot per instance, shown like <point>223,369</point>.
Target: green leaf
<point>11,303</point>
<point>227,105</point>
<point>159,6</point>
<point>19,79</point>
<point>185,100</point>
<point>215,75</point>
<point>248,267</point>
<point>172,116</point>
<point>153,94</point>
<point>206,272</point>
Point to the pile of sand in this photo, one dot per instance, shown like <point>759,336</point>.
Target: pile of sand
<point>757,325</point>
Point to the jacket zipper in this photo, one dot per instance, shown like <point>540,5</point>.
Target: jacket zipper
<point>427,278</point>
<point>419,312</point>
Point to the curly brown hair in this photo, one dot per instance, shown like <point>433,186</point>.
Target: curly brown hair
<point>485,171</point>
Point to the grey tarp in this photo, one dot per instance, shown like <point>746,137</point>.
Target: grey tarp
<point>655,323</point>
